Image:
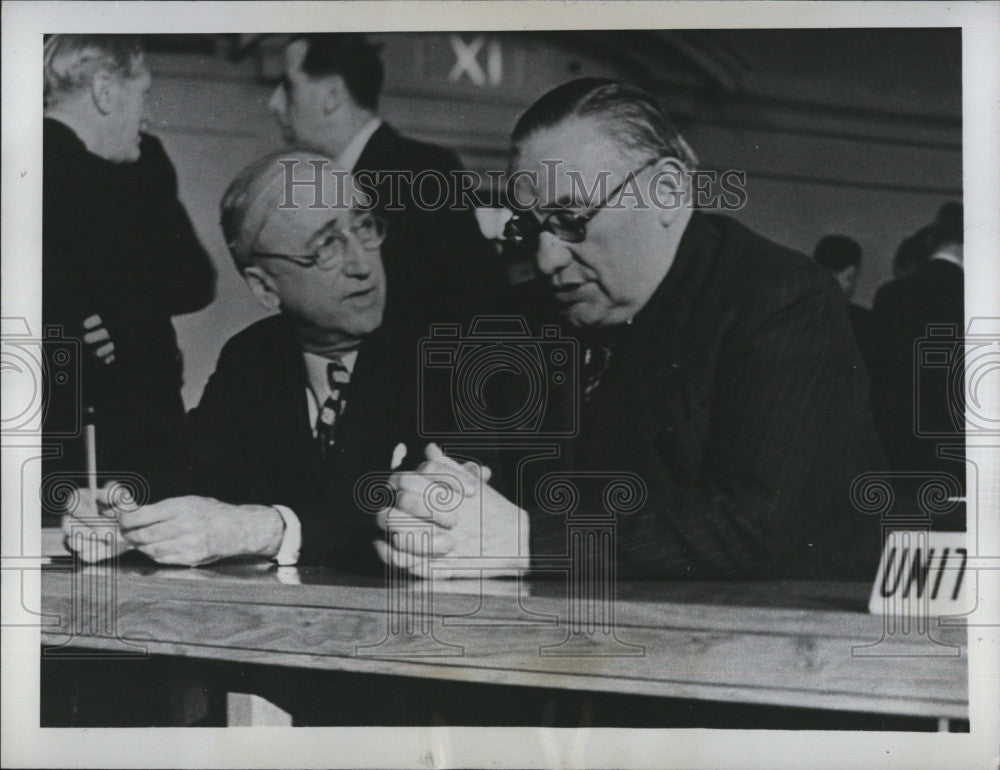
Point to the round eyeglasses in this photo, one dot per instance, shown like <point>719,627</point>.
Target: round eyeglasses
<point>368,229</point>
<point>524,229</point>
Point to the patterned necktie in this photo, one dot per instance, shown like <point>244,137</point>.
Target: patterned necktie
<point>595,362</point>
<point>333,408</point>
<point>598,349</point>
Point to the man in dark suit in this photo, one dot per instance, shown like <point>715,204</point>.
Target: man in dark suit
<point>119,254</point>
<point>719,379</point>
<point>328,101</point>
<point>904,310</point>
<point>841,256</point>
<point>302,404</point>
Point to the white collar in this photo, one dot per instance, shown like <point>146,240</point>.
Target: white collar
<point>352,153</point>
<point>316,372</point>
<point>950,253</point>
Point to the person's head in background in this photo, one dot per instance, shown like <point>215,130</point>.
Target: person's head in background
<point>946,236</point>
<point>329,90</point>
<point>97,85</point>
<point>319,265</point>
<point>911,253</point>
<point>841,256</point>
<point>603,259</point>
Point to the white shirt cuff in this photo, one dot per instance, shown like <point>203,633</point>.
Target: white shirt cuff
<point>291,541</point>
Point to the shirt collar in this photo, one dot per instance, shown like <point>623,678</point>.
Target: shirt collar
<point>951,254</point>
<point>352,153</point>
<point>316,372</point>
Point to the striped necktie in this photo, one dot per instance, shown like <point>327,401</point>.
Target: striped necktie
<point>330,412</point>
<point>598,349</point>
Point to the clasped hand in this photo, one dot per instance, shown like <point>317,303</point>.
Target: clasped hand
<point>180,530</point>
<point>465,516</point>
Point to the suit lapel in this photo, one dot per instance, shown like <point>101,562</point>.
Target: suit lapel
<point>646,378</point>
<point>288,415</point>
<point>370,421</point>
<point>377,149</point>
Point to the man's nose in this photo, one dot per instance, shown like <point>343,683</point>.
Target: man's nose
<point>359,262</point>
<point>553,254</point>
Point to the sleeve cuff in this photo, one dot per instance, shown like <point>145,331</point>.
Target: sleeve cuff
<point>291,541</point>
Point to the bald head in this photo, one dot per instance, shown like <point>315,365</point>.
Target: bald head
<point>72,62</point>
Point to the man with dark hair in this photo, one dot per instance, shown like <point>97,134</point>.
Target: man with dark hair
<point>119,254</point>
<point>932,294</point>
<point>841,256</point>
<point>719,379</point>
<point>328,101</point>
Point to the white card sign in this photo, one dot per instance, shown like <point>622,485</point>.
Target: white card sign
<point>923,574</point>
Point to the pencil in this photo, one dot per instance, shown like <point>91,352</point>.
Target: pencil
<point>90,439</point>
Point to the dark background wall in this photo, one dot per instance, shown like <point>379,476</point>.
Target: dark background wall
<point>852,131</point>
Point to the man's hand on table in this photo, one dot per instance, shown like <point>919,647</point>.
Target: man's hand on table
<point>468,518</point>
<point>184,531</point>
<point>91,529</point>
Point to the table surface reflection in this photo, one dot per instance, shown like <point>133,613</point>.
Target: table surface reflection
<point>794,643</point>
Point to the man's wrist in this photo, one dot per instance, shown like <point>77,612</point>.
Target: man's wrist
<point>524,533</point>
<point>290,544</point>
<point>269,532</point>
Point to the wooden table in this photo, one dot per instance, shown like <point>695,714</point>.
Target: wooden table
<point>801,644</point>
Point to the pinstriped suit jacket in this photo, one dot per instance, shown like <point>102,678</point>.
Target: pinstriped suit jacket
<point>738,397</point>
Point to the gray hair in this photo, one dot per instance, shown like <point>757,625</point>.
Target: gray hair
<point>265,189</point>
<point>71,61</point>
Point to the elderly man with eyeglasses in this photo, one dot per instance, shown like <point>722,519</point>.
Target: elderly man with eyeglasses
<point>302,404</point>
<point>718,377</point>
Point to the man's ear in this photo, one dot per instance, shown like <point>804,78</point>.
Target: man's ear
<point>335,92</point>
<point>670,189</point>
<point>102,90</point>
<point>263,286</point>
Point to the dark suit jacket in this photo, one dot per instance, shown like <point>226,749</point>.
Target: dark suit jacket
<point>250,439</point>
<point>862,326</point>
<point>738,398</point>
<point>117,242</point>
<point>437,252</point>
<point>903,310</point>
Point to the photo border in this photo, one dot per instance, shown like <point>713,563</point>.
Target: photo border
<point>25,744</point>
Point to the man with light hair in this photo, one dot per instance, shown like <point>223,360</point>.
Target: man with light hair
<point>304,403</point>
<point>120,256</point>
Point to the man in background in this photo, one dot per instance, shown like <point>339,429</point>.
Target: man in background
<point>841,256</point>
<point>302,404</point>
<point>120,256</point>
<point>328,101</point>
<point>908,395</point>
